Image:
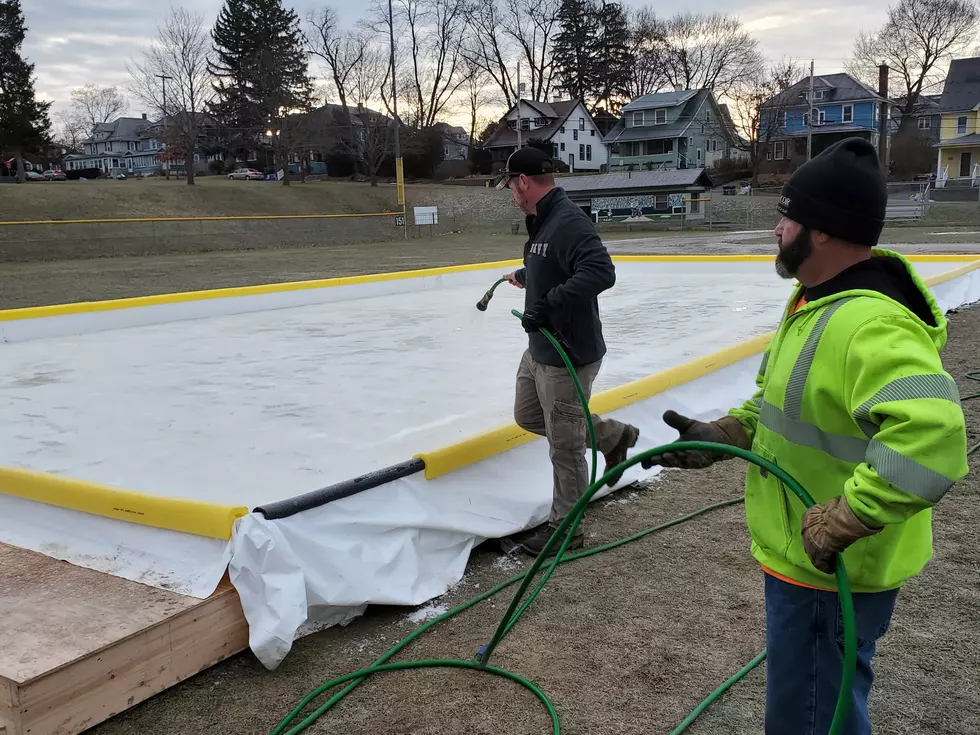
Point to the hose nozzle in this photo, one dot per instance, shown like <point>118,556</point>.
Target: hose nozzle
<point>485,301</point>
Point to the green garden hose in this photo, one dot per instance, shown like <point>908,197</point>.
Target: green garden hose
<point>565,531</point>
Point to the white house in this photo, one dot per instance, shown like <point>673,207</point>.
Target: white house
<point>128,145</point>
<point>567,125</point>
<point>124,145</point>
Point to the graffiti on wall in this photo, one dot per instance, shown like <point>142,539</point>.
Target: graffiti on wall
<point>636,208</point>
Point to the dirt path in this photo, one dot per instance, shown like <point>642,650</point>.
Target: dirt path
<point>625,642</point>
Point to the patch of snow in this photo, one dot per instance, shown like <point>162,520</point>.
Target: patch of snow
<point>424,614</point>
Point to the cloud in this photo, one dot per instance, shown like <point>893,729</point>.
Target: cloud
<point>77,42</point>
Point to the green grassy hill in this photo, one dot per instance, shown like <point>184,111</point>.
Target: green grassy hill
<point>217,196</point>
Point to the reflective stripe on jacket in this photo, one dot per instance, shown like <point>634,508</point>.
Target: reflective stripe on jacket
<point>853,399</point>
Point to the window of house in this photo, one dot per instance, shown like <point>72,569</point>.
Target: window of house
<point>588,153</point>
<point>817,94</point>
<point>581,152</point>
<point>574,135</point>
<point>638,119</point>
<point>925,123</point>
<point>563,148</point>
<point>961,125</point>
<point>525,123</point>
<point>512,124</point>
<point>660,202</point>
<point>707,116</point>
<point>592,132</point>
<point>780,150</point>
<point>108,147</point>
<point>660,116</point>
<point>540,121</point>
<point>847,114</point>
<point>768,155</point>
<point>821,118</point>
<point>562,129</point>
<point>581,123</point>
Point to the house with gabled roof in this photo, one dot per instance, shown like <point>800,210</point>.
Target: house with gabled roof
<point>667,131</point>
<point>843,107</point>
<point>575,138</point>
<point>958,155</point>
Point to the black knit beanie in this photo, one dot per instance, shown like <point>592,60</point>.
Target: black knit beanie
<point>840,192</point>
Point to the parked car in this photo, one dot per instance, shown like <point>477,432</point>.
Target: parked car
<point>245,174</point>
<point>55,174</point>
<point>34,176</point>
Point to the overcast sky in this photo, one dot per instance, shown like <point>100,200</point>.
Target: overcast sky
<point>75,42</point>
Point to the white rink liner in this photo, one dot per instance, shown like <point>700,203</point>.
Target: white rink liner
<point>252,408</point>
<point>405,542</point>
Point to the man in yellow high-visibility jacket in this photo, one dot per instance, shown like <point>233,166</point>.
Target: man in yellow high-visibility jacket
<point>853,401</point>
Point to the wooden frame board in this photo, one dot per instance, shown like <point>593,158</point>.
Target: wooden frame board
<point>78,646</point>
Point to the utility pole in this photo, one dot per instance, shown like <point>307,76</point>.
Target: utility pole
<point>399,166</point>
<point>394,89</point>
<point>164,78</point>
<point>809,127</point>
<point>518,105</point>
<point>883,116</point>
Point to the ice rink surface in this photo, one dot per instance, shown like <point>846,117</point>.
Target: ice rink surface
<point>257,407</point>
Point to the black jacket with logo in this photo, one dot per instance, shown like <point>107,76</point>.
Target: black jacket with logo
<point>565,260</point>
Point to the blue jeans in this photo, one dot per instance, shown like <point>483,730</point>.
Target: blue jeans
<point>805,641</point>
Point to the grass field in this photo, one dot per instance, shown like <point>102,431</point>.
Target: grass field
<point>215,196</point>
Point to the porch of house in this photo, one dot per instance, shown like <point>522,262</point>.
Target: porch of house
<point>958,160</point>
<point>665,154</point>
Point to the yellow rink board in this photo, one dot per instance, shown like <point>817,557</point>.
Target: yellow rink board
<point>216,520</point>
<point>482,446</point>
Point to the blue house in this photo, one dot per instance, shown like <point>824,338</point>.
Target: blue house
<point>843,107</point>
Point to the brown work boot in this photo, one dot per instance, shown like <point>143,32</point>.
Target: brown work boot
<point>535,543</point>
<point>617,455</point>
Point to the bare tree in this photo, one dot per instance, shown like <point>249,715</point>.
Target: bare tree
<point>503,33</point>
<point>341,52</point>
<point>759,105</point>
<point>708,51</point>
<point>532,24</point>
<point>478,92</point>
<point>491,50</point>
<point>181,53</point>
<point>93,104</point>
<point>433,31</point>
<point>917,40</point>
<point>72,130</point>
<point>372,142</point>
<point>647,45</point>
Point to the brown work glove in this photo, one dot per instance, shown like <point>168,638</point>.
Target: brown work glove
<point>828,529</point>
<point>726,430</point>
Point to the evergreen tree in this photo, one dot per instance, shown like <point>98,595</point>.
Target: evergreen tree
<point>614,57</point>
<point>591,52</point>
<point>235,46</point>
<point>261,75</point>
<point>575,49</point>
<point>24,122</point>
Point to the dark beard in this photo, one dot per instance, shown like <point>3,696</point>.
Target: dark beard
<point>791,257</point>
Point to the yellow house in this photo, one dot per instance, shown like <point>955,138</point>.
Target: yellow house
<point>959,136</point>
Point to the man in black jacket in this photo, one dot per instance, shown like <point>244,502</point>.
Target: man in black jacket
<point>566,267</point>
